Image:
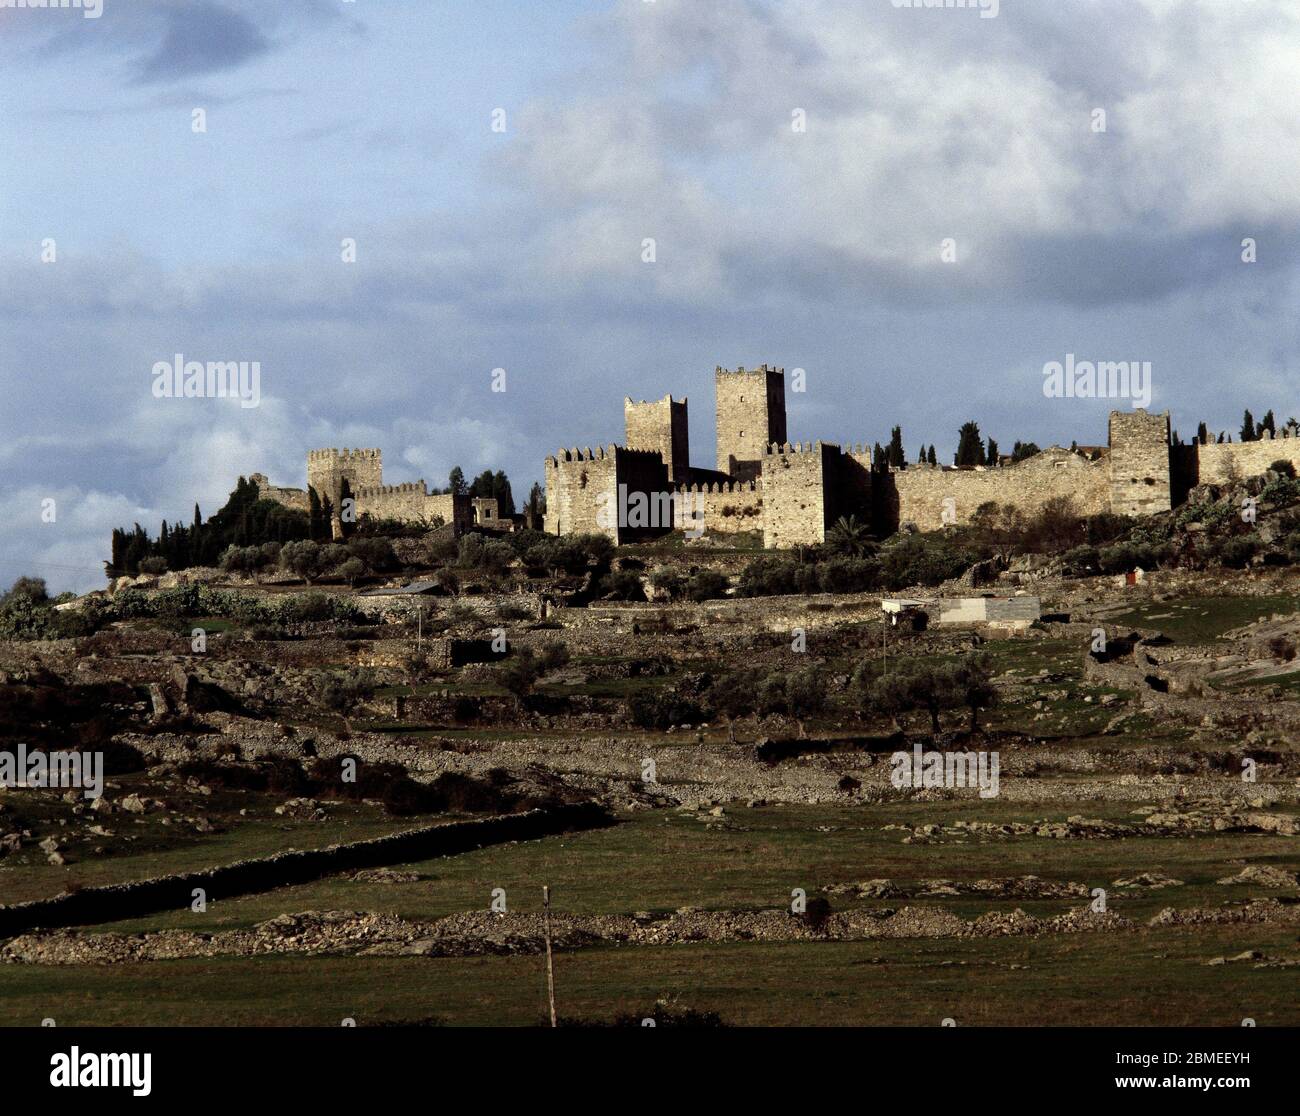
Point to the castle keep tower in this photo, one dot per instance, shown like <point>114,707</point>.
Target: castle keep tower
<point>327,469</point>
<point>751,416</point>
<point>660,426</point>
<point>1139,463</point>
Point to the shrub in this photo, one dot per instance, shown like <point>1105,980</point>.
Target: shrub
<point>1237,552</point>
<point>622,585</point>
<point>707,585</point>
<point>553,656</point>
<point>480,553</point>
<point>667,580</point>
<point>663,711</point>
<point>1279,647</point>
<point>916,559</point>
<point>848,575</point>
<point>518,674</point>
<point>27,588</point>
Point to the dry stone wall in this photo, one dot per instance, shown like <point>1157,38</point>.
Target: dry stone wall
<point>95,905</point>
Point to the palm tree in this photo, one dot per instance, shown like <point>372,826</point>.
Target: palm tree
<point>850,538</point>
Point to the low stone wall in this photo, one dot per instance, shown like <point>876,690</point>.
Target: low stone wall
<point>169,893</point>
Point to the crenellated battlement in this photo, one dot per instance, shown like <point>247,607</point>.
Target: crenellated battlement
<point>783,448</point>
<point>719,488</point>
<point>370,492</point>
<point>741,370</point>
<point>324,456</point>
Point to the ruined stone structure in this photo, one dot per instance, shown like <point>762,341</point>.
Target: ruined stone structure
<point>794,493</point>
<point>359,472</point>
<point>295,498</point>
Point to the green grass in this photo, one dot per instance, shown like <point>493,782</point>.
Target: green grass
<point>663,860</point>
<point>1152,978</point>
<point>168,851</point>
<point>1204,619</point>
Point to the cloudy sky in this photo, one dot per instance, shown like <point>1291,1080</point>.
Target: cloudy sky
<point>817,247</point>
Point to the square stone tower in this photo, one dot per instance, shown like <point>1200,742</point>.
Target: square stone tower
<point>1139,463</point>
<point>751,416</point>
<point>327,469</point>
<point>660,426</point>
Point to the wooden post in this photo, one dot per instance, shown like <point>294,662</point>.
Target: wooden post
<point>550,963</point>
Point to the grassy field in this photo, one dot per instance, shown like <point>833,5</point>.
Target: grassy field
<point>1147,979</point>
<point>29,877</point>
<point>1205,619</point>
<point>664,860</point>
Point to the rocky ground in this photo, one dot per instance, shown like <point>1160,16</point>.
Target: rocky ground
<point>1140,745</point>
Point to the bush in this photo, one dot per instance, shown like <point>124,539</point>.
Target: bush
<point>27,588</point>
<point>175,603</point>
<point>478,552</point>
<point>916,559</point>
<point>553,656</point>
<point>622,585</point>
<point>1237,552</point>
<point>707,585</point>
<point>848,575</point>
<point>1279,647</point>
<point>518,674</point>
<point>663,710</point>
<point>667,580</point>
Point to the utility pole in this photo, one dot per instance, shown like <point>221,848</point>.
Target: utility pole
<point>550,963</point>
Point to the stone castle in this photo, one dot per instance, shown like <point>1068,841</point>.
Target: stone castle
<point>794,492</point>
<point>336,474</point>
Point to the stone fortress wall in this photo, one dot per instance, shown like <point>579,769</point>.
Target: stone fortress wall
<point>1220,463</point>
<point>719,507</point>
<point>925,494</point>
<point>582,492</point>
<point>796,492</point>
<point>363,470</point>
<point>327,469</point>
<point>295,498</point>
<point>1140,473</point>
